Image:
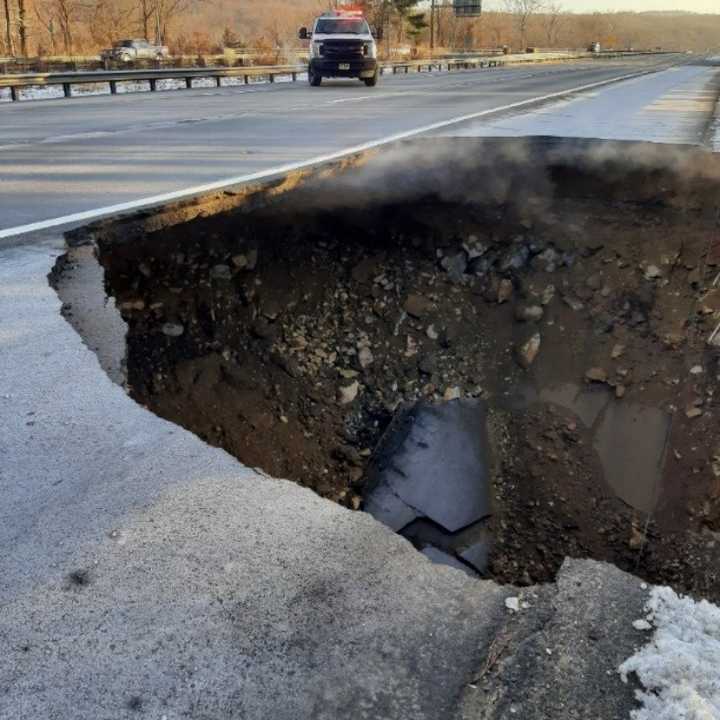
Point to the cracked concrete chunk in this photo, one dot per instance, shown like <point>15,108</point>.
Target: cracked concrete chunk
<point>435,459</point>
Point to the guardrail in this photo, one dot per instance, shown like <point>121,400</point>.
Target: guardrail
<point>112,77</point>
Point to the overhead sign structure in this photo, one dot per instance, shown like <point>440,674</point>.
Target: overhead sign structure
<point>467,8</point>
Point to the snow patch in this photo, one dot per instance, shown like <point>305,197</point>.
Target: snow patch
<point>680,667</point>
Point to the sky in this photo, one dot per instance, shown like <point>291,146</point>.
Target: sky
<point>636,5</point>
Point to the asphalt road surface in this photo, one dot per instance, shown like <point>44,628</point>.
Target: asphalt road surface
<point>59,158</point>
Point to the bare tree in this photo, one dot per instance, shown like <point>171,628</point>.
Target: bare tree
<point>522,11</point>
<point>22,28</point>
<point>8,29</point>
<point>552,20</point>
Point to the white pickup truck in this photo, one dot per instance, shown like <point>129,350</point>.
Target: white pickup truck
<point>342,45</point>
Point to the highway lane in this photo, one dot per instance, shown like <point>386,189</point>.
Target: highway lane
<point>62,157</point>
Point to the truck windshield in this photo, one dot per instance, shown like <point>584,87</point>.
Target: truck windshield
<point>336,26</point>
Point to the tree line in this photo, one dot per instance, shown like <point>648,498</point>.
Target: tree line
<point>81,27</point>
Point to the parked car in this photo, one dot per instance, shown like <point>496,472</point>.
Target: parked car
<point>128,50</point>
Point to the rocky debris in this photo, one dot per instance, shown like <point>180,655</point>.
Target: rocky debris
<point>573,303</point>
<point>365,357</point>
<point>240,261</point>
<point>505,291</point>
<point>548,295</point>
<point>173,330</point>
<point>221,272</point>
<point>652,272</point>
<point>417,306</point>
<point>529,313</point>
<point>710,302</point>
<point>596,375</point>
<point>455,266</point>
<point>617,351</point>
<point>132,306</point>
<point>348,393</point>
<point>452,393</point>
<point>527,352</point>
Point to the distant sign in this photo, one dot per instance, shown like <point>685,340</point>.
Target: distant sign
<point>467,8</point>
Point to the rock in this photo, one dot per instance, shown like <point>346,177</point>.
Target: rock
<point>432,333</point>
<point>620,391</point>
<point>347,374</point>
<point>710,303</point>
<point>455,266</point>
<point>347,394</point>
<point>596,374</point>
<point>529,313</point>
<point>474,248</point>
<point>617,351</point>
<point>696,370</point>
<point>452,393</point>
<point>265,330</point>
<point>365,357</point>
<point>528,351</point>
<point>594,282</point>
<point>144,268</point>
<point>505,291</point>
<point>240,261</point>
<point>643,625</point>
<point>221,272</point>
<point>348,454</point>
<point>513,604</point>
<point>573,303</point>
<point>515,259</point>
<point>128,305</point>
<point>427,365</point>
<point>694,412</point>
<point>252,259</point>
<point>674,340</point>
<point>271,309</point>
<point>547,260</point>
<point>652,272</point>
<point>417,306</point>
<point>547,295</point>
<point>173,329</point>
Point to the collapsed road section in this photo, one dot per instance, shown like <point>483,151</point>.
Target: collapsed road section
<point>572,287</point>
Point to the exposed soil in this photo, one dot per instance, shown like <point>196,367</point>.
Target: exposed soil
<point>290,336</point>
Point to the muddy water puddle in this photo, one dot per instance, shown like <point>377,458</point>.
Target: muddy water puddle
<point>290,334</point>
<point>631,440</point>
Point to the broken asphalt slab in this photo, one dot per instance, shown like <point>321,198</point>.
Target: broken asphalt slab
<point>146,574</point>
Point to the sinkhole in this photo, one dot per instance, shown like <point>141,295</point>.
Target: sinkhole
<point>521,331</point>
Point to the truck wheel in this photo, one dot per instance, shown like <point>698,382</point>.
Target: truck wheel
<point>314,79</point>
<point>371,81</point>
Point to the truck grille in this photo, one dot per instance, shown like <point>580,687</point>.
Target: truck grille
<point>342,49</point>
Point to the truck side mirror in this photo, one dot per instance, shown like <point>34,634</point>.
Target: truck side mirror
<point>378,33</point>
<point>303,33</point>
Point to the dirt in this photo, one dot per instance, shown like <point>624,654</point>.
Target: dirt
<point>290,337</point>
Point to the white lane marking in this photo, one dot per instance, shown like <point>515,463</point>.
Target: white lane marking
<point>303,164</point>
